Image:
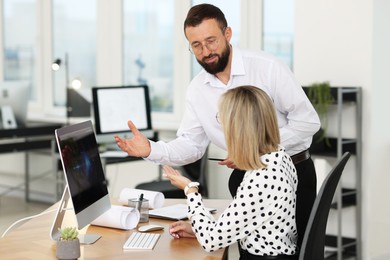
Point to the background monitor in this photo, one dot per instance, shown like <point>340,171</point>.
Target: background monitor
<point>15,94</point>
<point>86,184</point>
<point>114,106</point>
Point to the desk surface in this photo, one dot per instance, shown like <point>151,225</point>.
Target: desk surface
<point>31,241</point>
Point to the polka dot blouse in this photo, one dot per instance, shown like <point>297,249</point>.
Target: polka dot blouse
<point>261,216</point>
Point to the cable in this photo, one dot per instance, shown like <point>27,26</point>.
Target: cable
<point>27,218</point>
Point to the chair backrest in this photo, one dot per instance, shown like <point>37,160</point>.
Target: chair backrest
<point>313,244</point>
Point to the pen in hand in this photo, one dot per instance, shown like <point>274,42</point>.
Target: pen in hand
<point>216,159</point>
<point>226,162</point>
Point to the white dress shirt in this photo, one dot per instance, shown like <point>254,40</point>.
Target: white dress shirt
<point>297,119</point>
<point>261,216</point>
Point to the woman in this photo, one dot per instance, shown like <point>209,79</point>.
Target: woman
<point>261,216</point>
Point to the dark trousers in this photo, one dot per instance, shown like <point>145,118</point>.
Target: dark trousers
<point>244,255</point>
<point>306,193</point>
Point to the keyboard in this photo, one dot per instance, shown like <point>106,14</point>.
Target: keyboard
<point>141,241</point>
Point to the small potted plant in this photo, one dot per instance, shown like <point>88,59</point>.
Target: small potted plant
<point>68,245</point>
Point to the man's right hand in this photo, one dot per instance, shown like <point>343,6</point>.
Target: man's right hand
<point>137,146</point>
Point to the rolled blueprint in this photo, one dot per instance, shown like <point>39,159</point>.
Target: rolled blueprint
<point>156,199</point>
<point>120,217</point>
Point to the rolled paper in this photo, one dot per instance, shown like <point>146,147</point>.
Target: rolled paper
<point>120,217</point>
<point>156,199</point>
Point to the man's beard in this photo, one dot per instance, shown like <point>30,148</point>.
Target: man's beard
<point>220,65</point>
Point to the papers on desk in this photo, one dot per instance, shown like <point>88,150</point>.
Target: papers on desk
<point>174,212</point>
<point>156,199</point>
<point>118,217</point>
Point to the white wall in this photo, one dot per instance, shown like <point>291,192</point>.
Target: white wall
<point>346,42</point>
<point>378,143</point>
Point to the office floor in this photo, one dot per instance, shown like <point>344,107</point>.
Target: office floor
<point>13,205</point>
<point>13,208</point>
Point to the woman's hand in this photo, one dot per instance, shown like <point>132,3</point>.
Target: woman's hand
<point>175,177</point>
<point>181,229</point>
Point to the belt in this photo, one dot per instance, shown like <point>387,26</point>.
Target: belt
<point>300,157</point>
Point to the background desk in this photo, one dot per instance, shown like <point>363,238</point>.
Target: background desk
<point>32,241</point>
<point>32,136</point>
<point>34,133</point>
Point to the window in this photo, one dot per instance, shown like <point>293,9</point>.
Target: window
<point>278,29</point>
<point>19,30</point>
<point>74,36</point>
<point>149,49</point>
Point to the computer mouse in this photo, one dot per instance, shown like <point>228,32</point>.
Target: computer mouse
<point>151,227</point>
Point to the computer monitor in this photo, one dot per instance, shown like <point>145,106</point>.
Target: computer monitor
<point>86,184</point>
<point>14,97</point>
<point>114,106</point>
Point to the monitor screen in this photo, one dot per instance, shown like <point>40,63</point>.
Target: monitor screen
<point>83,171</point>
<point>114,106</point>
<point>15,94</point>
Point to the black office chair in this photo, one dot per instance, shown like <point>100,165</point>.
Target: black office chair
<point>196,171</point>
<point>313,244</point>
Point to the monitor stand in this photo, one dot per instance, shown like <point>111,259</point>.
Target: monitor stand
<point>59,219</point>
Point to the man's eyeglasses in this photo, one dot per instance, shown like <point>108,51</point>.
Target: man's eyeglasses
<point>210,44</point>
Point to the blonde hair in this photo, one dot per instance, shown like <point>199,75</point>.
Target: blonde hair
<point>250,125</point>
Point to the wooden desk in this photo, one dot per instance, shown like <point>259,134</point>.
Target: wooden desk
<point>32,241</point>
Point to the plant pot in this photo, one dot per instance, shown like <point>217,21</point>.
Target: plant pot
<point>68,249</point>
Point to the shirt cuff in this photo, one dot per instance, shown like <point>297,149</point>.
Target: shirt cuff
<point>156,152</point>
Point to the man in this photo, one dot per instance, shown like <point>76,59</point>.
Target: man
<point>226,67</point>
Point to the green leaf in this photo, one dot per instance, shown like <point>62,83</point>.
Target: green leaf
<point>321,98</point>
<point>68,233</point>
